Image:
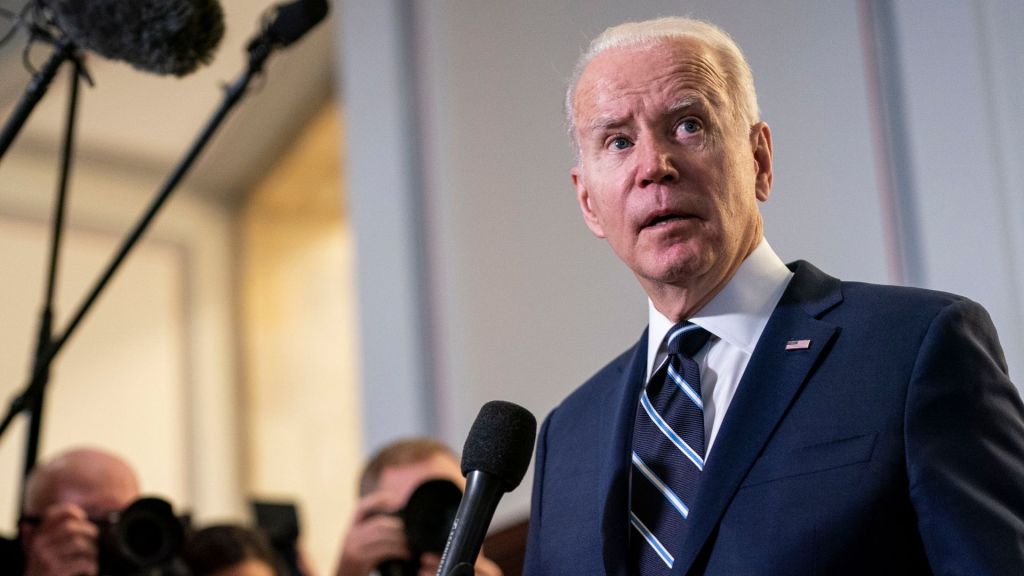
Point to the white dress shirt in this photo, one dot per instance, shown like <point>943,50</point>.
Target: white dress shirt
<point>735,317</point>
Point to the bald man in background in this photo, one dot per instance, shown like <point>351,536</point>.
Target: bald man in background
<point>63,499</point>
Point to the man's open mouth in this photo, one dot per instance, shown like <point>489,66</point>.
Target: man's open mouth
<point>659,219</point>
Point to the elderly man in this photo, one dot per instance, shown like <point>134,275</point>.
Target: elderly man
<point>62,498</point>
<point>771,419</point>
<point>375,534</point>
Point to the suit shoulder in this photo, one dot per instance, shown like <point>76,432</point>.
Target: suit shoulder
<point>872,305</point>
<point>811,285</point>
<point>900,296</point>
<point>902,301</point>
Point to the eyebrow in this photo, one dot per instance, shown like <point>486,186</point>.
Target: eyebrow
<point>603,123</point>
<point>688,102</point>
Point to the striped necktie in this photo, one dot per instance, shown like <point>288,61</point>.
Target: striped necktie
<point>668,453</point>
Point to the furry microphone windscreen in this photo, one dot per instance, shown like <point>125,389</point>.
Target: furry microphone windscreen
<point>159,36</point>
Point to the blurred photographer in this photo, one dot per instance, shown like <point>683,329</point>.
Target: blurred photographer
<point>377,534</point>
<point>63,498</point>
<point>230,550</point>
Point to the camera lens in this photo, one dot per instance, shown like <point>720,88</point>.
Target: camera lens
<point>144,535</point>
<point>429,514</point>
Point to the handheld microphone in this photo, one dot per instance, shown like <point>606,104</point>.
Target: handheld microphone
<point>159,36</point>
<point>494,461</point>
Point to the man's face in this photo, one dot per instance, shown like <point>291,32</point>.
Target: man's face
<point>96,482</point>
<point>668,174</point>
<point>65,496</point>
<point>98,500</point>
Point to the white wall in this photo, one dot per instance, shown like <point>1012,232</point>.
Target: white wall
<point>150,373</point>
<point>523,303</point>
<point>301,427</point>
<point>964,84</point>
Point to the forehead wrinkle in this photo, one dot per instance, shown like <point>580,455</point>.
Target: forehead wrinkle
<point>691,70</point>
<point>706,85</point>
<point>712,84</point>
<point>704,69</point>
<point>614,107</point>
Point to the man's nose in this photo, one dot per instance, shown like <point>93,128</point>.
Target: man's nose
<point>656,164</point>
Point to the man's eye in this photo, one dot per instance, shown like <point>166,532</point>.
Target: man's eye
<point>619,143</point>
<point>690,126</point>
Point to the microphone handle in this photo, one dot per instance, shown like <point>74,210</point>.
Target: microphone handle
<point>483,491</point>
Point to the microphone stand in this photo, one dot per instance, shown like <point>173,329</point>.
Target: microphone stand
<point>34,404</point>
<point>32,395</point>
<point>65,50</point>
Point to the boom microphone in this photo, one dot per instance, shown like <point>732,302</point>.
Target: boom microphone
<point>159,36</point>
<point>494,461</point>
<point>286,23</point>
<point>294,20</point>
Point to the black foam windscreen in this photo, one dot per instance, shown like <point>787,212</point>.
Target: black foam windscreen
<point>159,36</point>
<point>500,442</point>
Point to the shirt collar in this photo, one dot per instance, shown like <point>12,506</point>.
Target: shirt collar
<point>740,311</point>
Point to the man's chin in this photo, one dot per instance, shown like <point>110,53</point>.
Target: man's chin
<point>680,270</point>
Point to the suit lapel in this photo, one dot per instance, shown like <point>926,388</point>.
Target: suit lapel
<point>769,384</point>
<point>614,445</point>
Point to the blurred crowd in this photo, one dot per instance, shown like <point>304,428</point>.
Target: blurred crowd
<point>83,515</point>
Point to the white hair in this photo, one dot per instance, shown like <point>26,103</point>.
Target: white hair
<point>734,67</point>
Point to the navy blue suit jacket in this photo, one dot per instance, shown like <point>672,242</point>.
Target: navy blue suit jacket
<point>894,444</point>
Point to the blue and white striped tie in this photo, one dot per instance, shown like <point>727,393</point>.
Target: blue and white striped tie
<point>668,453</point>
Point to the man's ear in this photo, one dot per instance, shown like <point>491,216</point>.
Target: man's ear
<point>761,145</point>
<point>586,202</point>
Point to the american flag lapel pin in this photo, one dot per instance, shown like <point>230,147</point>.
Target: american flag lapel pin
<point>798,345</point>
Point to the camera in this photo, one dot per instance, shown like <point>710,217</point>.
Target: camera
<point>427,517</point>
<point>144,536</point>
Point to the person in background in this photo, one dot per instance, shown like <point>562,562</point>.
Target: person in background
<point>772,419</point>
<point>229,550</point>
<point>375,533</point>
<point>65,497</point>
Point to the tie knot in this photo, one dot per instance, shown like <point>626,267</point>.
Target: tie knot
<point>686,339</point>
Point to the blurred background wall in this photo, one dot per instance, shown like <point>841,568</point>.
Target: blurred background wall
<point>383,237</point>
